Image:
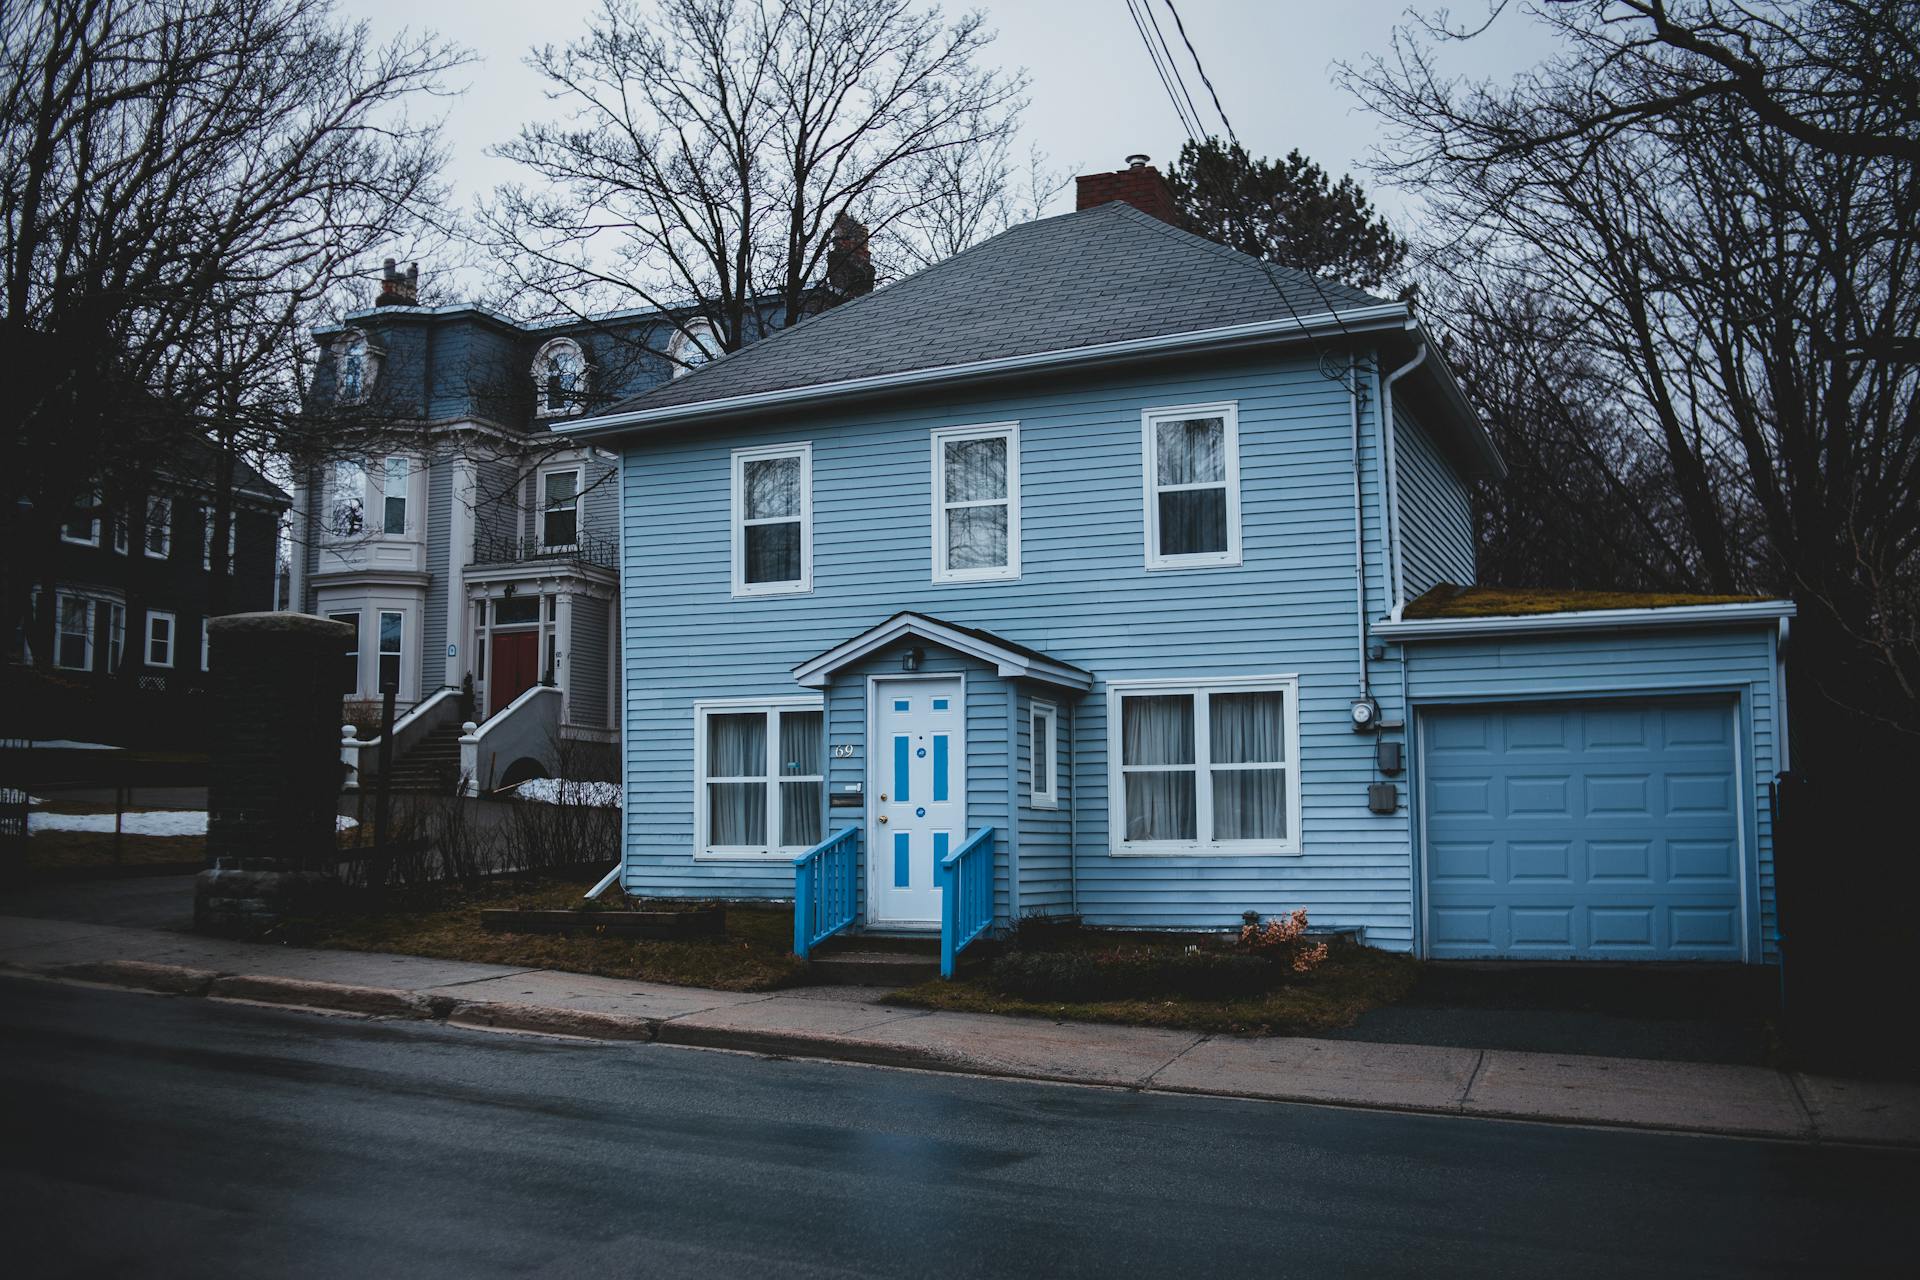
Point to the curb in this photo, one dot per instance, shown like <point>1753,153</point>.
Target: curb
<point>549,1020</point>
<point>168,979</point>
<point>307,994</point>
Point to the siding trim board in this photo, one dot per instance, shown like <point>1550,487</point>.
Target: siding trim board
<point>1691,615</point>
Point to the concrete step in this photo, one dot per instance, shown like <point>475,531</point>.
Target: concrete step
<point>873,968</point>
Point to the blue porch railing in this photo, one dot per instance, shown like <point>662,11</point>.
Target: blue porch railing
<point>824,900</point>
<point>966,896</point>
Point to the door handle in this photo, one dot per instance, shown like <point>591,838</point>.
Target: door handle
<point>883,819</point>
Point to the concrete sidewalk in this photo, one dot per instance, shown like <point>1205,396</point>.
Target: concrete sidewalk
<point>849,1024</point>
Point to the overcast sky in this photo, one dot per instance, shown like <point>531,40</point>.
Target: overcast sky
<point>1094,96</point>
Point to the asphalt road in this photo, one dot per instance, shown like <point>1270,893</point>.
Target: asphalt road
<point>141,1135</point>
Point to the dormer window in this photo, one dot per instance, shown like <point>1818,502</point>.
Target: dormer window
<point>693,347</point>
<point>353,368</point>
<point>560,378</point>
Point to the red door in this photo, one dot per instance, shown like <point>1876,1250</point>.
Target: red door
<point>516,666</point>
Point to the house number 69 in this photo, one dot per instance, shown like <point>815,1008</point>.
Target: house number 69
<point>843,751</point>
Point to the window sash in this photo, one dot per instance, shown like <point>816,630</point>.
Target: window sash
<point>945,526</point>
<point>158,539</point>
<point>560,532</point>
<point>392,641</point>
<point>347,499</point>
<point>786,803</point>
<point>160,630</point>
<point>1044,756</point>
<point>73,632</point>
<point>744,544</point>
<point>1205,774</point>
<point>1156,488</point>
<point>395,474</point>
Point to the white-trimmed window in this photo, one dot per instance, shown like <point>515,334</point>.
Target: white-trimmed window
<point>1045,749</point>
<point>350,686</point>
<point>394,473</point>
<point>160,630</point>
<point>560,508</point>
<point>1192,459</point>
<point>560,379</point>
<point>393,634</point>
<point>976,502</point>
<point>354,368</point>
<point>1205,766</point>
<point>208,525</point>
<point>84,527</point>
<point>73,632</point>
<point>116,636</point>
<point>773,520</point>
<point>118,519</point>
<point>159,535</point>
<point>347,498</point>
<point>761,770</point>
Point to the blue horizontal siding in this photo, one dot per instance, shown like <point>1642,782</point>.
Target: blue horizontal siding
<point>1436,510</point>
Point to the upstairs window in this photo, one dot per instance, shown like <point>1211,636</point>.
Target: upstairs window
<point>394,495</point>
<point>560,509</point>
<point>560,378</point>
<point>773,520</point>
<point>159,535</point>
<point>762,775</point>
<point>353,368</point>
<point>693,347</point>
<point>347,499</point>
<point>84,528</point>
<point>118,519</point>
<point>976,503</point>
<point>1192,486</point>
<point>209,524</point>
<point>1205,766</point>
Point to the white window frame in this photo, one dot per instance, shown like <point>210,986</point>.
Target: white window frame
<point>166,529</point>
<point>60,601</point>
<point>173,639</point>
<point>942,436</point>
<point>383,486</point>
<point>1049,797</point>
<point>738,523</point>
<point>116,636</point>
<point>677,349</point>
<point>1204,846</point>
<point>770,708</point>
<point>93,525</point>
<point>399,655</point>
<point>119,532</point>
<point>541,508</point>
<point>1229,413</point>
<point>577,403</point>
<point>369,367</point>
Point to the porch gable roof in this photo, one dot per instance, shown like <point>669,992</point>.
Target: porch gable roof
<point>1008,658</point>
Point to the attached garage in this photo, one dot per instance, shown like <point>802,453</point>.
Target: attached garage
<point>1594,784</point>
<point>1584,830</point>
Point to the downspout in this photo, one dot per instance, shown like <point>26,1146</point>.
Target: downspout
<point>1393,476</point>
<point>1073,809</point>
<point>1359,528</point>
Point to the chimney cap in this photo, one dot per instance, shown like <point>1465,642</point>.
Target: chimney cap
<point>1138,160</point>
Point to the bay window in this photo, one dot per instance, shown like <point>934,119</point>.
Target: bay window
<point>762,777</point>
<point>116,636</point>
<point>773,520</point>
<point>976,503</point>
<point>392,635</point>
<point>394,495</point>
<point>73,632</point>
<point>1205,766</point>
<point>1192,486</point>
<point>347,499</point>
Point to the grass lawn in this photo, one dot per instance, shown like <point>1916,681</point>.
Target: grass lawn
<point>70,850</point>
<point>1353,980</point>
<point>754,954</point>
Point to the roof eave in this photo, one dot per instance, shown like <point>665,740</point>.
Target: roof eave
<point>1696,615</point>
<point>1386,316</point>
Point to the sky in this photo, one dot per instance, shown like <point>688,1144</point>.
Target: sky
<point>1094,97</point>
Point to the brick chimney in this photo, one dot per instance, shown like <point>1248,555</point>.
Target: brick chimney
<point>849,264</point>
<point>1139,184</point>
<point>398,290</point>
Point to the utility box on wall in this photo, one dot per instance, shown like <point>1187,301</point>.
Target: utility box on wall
<point>1383,797</point>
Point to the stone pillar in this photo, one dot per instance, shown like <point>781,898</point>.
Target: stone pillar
<point>275,779</point>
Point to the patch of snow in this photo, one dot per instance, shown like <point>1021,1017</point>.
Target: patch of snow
<point>65,744</point>
<point>593,795</point>
<point>154,822</point>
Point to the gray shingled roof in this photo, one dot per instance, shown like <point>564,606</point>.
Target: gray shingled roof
<point>1106,274</point>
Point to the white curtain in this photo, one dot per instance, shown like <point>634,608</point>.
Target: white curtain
<point>801,746</point>
<point>1248,728</point>
<point>1192,451</point>
<point>976,471</point>
<point>737,811</point>
<point>1158,730</point>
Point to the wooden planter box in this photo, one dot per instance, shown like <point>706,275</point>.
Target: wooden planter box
<point>698,923</point>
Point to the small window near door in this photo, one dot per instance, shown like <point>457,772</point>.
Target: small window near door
<point>1046,793</point>
<point>350,662</point>
<point>762,778</point>
<point>1193,486</point>
<point>392,633</point>
<point>560,509</point>
<point>773,520</point>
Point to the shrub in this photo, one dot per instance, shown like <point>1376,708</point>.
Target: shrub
<point>1283,939</point>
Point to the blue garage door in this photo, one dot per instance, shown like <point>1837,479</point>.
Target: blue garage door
<point>1589,831</point>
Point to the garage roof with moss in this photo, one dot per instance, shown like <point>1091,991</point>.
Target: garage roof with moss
<point>1450,601</point>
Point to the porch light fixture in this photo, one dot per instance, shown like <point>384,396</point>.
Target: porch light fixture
<point>910,660</point>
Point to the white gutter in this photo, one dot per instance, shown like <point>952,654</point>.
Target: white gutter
<point>1391,315</point>
<point>1688,615</point>
<point>1387,434</point>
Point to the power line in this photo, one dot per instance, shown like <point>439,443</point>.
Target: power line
<point>1166,50</point>
<point>1189,125</point>
<point>1204,78</point>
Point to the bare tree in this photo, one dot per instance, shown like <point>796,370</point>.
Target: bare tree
<point>185,184</point>
<point>1746,288</point>
<point>711,147</point>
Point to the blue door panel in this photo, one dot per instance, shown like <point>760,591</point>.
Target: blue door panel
<point>1583,831</point>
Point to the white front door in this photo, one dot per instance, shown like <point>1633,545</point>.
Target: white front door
<point>916,777</point>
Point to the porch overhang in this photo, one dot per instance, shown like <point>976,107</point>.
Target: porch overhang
<point>1008,658</point>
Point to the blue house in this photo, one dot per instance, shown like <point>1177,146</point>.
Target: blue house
<point>1103,571</point>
